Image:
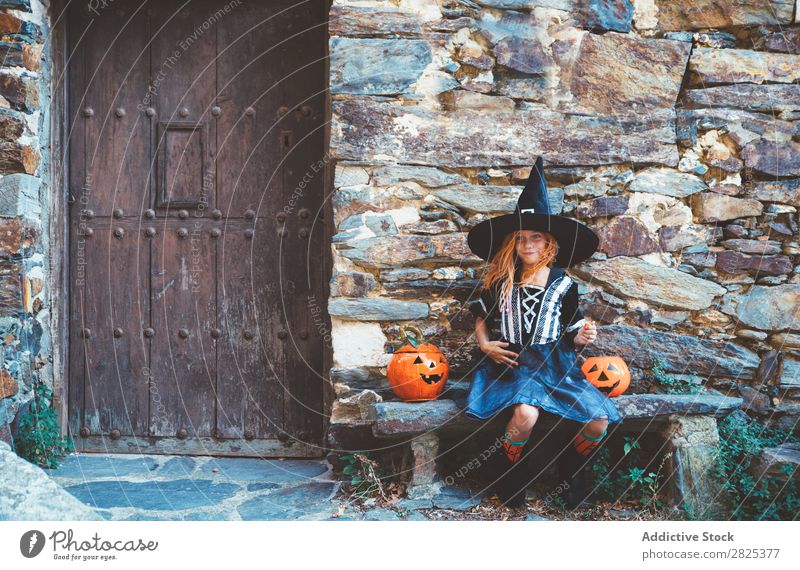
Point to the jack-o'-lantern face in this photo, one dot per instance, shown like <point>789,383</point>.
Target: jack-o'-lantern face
<point>430,370</point>
<point>609,374</point>
<point>418,374</point>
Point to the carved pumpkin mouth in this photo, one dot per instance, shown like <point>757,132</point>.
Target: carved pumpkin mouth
<point>606,389</point>
<point>431,378</point>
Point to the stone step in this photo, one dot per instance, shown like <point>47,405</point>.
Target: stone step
<point>773,459</point>
<point>392,419</point>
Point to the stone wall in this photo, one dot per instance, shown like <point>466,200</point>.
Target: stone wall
<point>671,128</point>
<point>25,336</point>
<point>674,132</point>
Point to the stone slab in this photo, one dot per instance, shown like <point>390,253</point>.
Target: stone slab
<point>153,495</point>
<point>392,419</point>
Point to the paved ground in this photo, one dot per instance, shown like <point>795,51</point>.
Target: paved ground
<point>158,487</point>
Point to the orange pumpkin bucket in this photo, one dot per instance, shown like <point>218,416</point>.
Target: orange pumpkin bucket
<point>609,374</point>
<point>418,371</point>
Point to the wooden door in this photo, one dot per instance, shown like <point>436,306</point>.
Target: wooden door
<point>196,179</point>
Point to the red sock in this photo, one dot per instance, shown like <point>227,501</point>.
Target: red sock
<point>586,445</point>
<point>513,449</point>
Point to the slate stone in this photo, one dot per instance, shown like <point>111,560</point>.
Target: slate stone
<point>773,158</point>
<point>28,494</point>
<point>713,207</point>
<point>415,516</point>
<point>493,199</point>
<point>264,470</point>
<point>742,127</point>
<point>601,312</point>
<point>381,515</point>
<point>359,66</point>
<point>346,175</point>
<point>155,516</point>
<point>153,495</point>
<point>791,373</point>
<point>715,39</point>
<point>95,466</point>
<point>613,15</point>
<point>704,14</point>
<point>534,517</point>
<point>288,503</point>
<point>368,224</point>
<point>19,195</point>
<point>683,354</point>
<point>396,251</point>
<point>736,262</point>
<point>702,259</point>
<point>757,246</point>
<point>604,206</point>
<point>496,26</point>
<point>394,419</point>
<point>352,284</point>
<point>181,467</point>
<point>422,175</point>
<point>477,199</point>
<point>626,235</point>
<point>414,504</point>
<point>752,97</point>
<point>645,406</point>
<point>347,20</point>
<point>565,5</point>
<point>784,41</point>
<point>618,74</point>
<point>24,5</point>
<point>205,516</point>
<point>456,498</point>
<point>374,309</point>
<point>766,308</point>
<point>472,54</point>
<point>409,274</point>
<point>676,238</point>
<point>260,486</point>
<point>662,286</point>
<point>21,91</point>
<point>431,228</point>
<point>525,88</point>
<point>666,182</point>
<point>709,66</point>
<point>525,55</point>
<point>367,130</point>
<point>773,460</point>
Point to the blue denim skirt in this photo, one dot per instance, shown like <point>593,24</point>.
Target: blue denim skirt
<point>548,377</point>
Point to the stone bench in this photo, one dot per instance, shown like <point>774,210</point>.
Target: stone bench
<point>688,424</point>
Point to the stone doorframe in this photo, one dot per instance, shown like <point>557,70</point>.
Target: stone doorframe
<point>57,279</point>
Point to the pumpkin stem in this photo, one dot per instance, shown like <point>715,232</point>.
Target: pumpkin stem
<point>418,337</point>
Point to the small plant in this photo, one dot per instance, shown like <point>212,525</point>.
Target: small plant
<point>629,479</point>
<point>772,496</point>
<point>672,384</point>
<point>39,438</point>
<point>365,476</point>
<point>645,486</point>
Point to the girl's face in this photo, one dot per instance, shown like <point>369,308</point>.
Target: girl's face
<point>529,245</point>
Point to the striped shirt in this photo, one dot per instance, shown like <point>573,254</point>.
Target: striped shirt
<point>535,314</point>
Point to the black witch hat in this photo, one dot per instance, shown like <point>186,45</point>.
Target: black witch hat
<point>576,241</point>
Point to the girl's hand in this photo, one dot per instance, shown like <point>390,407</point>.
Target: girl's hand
<point>495,351</point>
<point>587,334</point>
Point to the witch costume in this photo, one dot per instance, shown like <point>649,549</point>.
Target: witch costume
<point>540,324</point>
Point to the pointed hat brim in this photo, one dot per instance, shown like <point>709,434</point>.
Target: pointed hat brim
<point>576,241</point>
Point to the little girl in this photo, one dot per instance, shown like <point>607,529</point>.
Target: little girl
<point>528,325</point>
